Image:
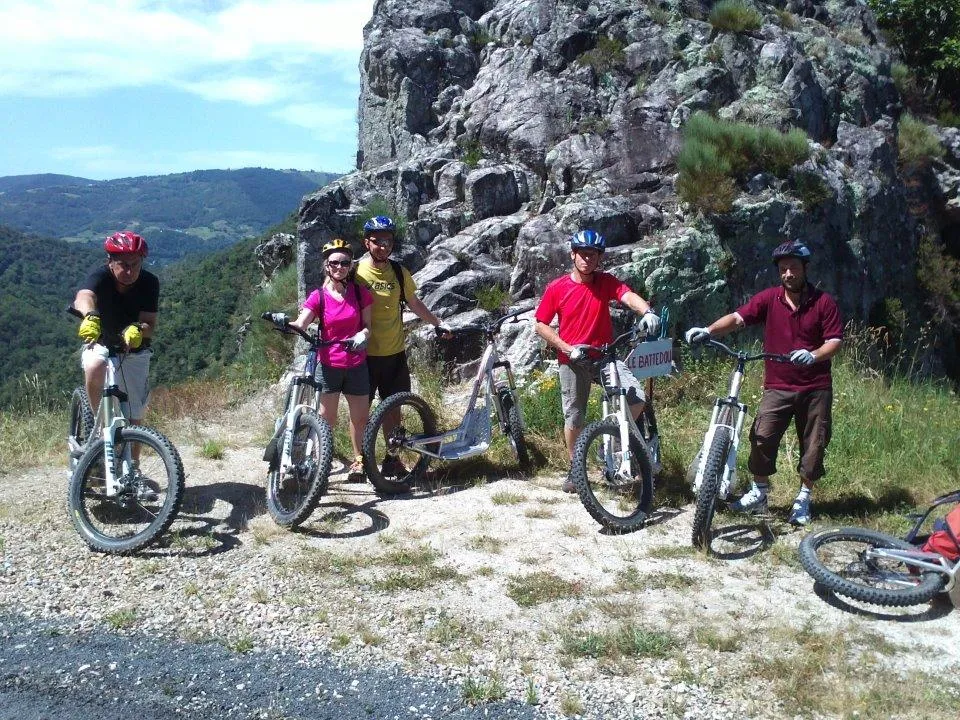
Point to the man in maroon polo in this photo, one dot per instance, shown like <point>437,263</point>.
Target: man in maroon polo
<point>803,322</point>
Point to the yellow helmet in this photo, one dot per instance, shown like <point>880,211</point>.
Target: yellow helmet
<point>337,245</point>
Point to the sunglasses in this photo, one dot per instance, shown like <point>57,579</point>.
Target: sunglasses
<point>339,263</point>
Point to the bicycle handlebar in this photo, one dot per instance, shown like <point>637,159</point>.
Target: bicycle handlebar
<point>492,327</point>
<point>742,354</point>
<point>289,329</point>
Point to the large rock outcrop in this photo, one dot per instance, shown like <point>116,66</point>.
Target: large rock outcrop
<point>497,128</point>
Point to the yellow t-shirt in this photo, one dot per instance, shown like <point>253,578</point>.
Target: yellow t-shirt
<point>386,331</point>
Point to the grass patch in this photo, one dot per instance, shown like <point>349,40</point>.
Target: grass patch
<point>485,543</point>
<point>492,297</point>
<point>717,153</point>
<point>241,644</point>
<point>571,704</point>
<point>628,640</point>
<point>734,16</point>
<point>123,618</point>
<point>540,587</point>
<point>415,568</point>
<point>482,690</point>
<point>607,55</point>
<point>715,640</point>
<point>539,513</point>
<point>506,497</point>
<point>834,674</point>
<point>212,450</point>
<point>917,142</point>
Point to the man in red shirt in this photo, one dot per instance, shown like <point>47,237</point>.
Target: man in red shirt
<point>804,323</point>
<point>581,303</point>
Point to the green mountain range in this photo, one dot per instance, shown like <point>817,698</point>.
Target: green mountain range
<point>178,214</point>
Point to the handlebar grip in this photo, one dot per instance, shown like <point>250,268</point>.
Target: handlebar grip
<point>73,311</point>
<point>265,316</point>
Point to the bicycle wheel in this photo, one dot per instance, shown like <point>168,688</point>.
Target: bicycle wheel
<point>81,426</point>
<point>146,505</point>
<point>620,505</point>
<point>394,472</point>
<point>294,490</point>
<point>514,427</point>
<point>837,559</point>
<point>710,485</point>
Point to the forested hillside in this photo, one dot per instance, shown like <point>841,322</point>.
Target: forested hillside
<point>38,277</point>
<point>201,211</point>
<point>202,305</point>
<point>203,301</point>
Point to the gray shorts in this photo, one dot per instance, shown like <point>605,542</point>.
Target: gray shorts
<point>133,377</point>
<point>575,382</point>
<point>349,381</point>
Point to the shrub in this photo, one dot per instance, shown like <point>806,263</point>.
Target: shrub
<point>811,189</point>
<point>734,16</point>
<point>492,298</point>
<point>918,144</point>
<point>606,56</point>
<point>927,35</point>
<point>472,152</point>
<point>716,153</point>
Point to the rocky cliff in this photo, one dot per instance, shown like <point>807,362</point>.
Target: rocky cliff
<point>495,129</point>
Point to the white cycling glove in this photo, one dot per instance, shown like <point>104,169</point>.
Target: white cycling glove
<point>696,335</point>
<point>650,323</point>
<point>359,341</point>
<point>802,357</point>
<point>442,329</point>
<point>280,319</point>
<point>577,355</point>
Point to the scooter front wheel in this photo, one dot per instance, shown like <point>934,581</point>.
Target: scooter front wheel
<point>390,463</point>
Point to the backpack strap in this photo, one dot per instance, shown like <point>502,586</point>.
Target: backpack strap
<point>398,273</point>
<point>356,292</point>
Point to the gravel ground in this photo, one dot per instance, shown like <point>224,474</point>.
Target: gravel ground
<point>418,602</point>
<point>50,670</point>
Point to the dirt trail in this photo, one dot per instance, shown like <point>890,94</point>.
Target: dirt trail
<point>426,580</point>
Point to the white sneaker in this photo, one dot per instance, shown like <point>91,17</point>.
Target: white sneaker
<point>754,501</point>
<point>800,512</point>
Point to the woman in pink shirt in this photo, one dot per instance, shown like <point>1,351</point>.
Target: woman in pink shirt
<point>342,309</point>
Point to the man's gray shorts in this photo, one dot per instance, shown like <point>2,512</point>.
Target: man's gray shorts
<point>575,382</point>
<point>133,377</point>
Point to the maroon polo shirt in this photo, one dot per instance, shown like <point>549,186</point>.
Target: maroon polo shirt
<point>816,320</point>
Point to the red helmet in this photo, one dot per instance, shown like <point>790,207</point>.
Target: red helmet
<point>125,243</point>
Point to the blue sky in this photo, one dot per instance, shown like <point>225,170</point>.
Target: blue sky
<point>119,88</point>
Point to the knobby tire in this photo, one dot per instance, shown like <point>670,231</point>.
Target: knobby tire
<point>292,497</point>
<point>858,579</point>
<point>710,486</point>
<point>515,428</point>
<point>81,425</point>
<point>416,418</point>
<point>598,492</point>
<point>93,513</point>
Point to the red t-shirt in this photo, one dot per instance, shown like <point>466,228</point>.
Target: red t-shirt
<point>816,320</point>
<point>582,308</point>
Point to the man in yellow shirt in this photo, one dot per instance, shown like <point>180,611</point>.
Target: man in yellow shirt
<point>391,285</point>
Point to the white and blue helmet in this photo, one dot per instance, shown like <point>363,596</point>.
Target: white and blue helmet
<point>588,239</point>
<point>379,223</point>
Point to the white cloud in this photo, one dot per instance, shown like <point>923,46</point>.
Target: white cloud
<point>329,123</point>
<point>259,51</point>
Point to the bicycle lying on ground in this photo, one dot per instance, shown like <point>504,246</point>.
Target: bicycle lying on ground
<point>715,477</point>
<point>877,568</point>
<point>616,457</point>
<point>126,481</point>
<point>401,437</point>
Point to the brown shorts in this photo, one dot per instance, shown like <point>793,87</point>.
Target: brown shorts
<point>811,412</point>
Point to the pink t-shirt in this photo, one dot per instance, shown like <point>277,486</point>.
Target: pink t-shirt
<point>582,308</point>
<point>341,321</point>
